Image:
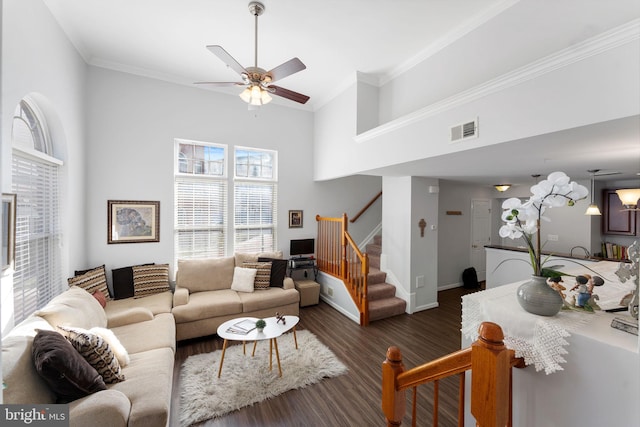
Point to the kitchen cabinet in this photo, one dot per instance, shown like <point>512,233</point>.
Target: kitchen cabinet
<point>616,220</point>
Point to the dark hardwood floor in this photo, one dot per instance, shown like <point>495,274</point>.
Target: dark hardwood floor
<point>352,399</point>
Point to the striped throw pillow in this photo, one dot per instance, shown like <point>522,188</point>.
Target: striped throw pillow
<point>150,279</point>
<point>263,274</point>
<point>91,281</point>
<point>96,351</point>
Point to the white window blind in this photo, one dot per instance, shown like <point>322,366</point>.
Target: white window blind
<point>38,276</point>
<point>255,216</point>
<point>200,217</point>
<point>255,198</point>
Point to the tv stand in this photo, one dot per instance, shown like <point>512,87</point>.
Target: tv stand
<point>302,263</point>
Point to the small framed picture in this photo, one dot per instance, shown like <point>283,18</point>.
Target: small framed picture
<point>295,219</point>
<point>133,221</point>
<point>8,230</point>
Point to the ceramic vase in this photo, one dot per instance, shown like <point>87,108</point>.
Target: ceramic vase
<point>537,297</point>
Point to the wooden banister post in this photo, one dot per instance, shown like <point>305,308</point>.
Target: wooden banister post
<point>491,370</point>
<point>393,401</point>
<point>344,265</point>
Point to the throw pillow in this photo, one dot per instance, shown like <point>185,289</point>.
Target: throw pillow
<point>92,280</point>
<point>114,343</point>
<point>243,279</point>
<point>278,271</point>
<point>99,296</point>
<point>263,274</point>
<point>67,373</point>
<point>122,282</point>
<point>96,351</point>
<point>150,279</point>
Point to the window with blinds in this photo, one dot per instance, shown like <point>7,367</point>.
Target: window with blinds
<point>255,198</point>
<point>200,200</point>
<point>37,277</point>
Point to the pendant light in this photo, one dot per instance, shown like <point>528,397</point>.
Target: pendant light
<point>593,208</point>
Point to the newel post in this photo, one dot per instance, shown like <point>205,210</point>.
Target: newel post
<point>343,246</point>
<point>393,401</point>
<point>491,369</point>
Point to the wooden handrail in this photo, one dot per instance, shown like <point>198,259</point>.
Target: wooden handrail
<point>338,255</point>
<point>367,206</point>
<point>490,363</point>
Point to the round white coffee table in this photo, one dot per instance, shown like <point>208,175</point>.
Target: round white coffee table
<point>239,329</point>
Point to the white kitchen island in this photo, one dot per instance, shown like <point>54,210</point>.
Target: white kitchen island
<point>589,377</point>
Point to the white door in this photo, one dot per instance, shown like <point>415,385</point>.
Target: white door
<point>480,235</point>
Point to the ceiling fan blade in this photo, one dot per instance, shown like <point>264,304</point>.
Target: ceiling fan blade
<point>286,69</point>
<point>289,94</point>
<point>220,83</point>
<point>227,59</point>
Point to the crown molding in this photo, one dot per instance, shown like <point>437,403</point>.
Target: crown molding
<point>603,42</point>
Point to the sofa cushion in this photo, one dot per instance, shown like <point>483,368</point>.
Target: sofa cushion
<point>242,257</point>
<point>278,270</point>
<point>268,298</point>
<point>150,279</point>
<point>155,333</point>
<point>68,374</point>
<point>205,305</point>
<point>92,280</point>
<point>122,282</point>
<point>208,274</point>
<point>156,303</point>
<point>74,307</point>
<point>243,279</point>
<point>263,273</point>
<point>96,351</point>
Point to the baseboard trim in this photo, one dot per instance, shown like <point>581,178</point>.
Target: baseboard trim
<point>449,286</point>
<point>426,307</point>
<point>340,309</point>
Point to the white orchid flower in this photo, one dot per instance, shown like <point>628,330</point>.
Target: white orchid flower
<point>510,231</point>
<point>512,203</point>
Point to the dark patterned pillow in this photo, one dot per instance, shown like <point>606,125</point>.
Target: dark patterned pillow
<point>91,281</point>
<point>150,279</point>
<point>122,282</point>
<point>278,271</point>
<point>67,373</point>
<point>96,351</point>
<point>263,274</point>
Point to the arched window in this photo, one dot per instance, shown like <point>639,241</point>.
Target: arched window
<point>37,273</point>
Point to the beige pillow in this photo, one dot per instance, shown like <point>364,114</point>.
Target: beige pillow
<point>208,274</point>
<point>74,307</point>
<point>243,279</point>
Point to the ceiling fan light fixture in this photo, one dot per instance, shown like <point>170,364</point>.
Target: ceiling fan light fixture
<point>502,187</point>
<point>629,197</point>
<point>255,95</point>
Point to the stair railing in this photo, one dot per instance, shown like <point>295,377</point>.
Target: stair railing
<point>490,363</point>
<point>367,206</point>
<point>338,255</point>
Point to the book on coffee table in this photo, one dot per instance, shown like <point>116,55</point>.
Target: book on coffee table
<point>242,327</point>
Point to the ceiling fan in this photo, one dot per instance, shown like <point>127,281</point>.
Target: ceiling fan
<point>257,81</point>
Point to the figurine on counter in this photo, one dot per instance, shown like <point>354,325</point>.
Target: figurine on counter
<point>585,297</point>
<point>554,282</point>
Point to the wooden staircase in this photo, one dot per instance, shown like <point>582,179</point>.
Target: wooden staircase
<point>383,302</point>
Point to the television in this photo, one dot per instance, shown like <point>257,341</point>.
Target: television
<point>302,247</point>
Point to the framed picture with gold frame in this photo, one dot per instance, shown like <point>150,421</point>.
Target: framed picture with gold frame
<point>131,221</point>
<point>8,231</point>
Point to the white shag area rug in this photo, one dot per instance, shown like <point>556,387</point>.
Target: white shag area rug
<point>246,380</point>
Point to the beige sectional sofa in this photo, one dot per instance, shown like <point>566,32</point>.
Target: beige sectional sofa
<point>146,329</point>
<point>204,298</point>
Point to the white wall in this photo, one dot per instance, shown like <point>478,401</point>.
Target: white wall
<point>406,255</point>
<point>132,123</point>
<point>43,63</point>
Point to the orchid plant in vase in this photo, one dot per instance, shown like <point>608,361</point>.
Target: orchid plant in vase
<point>523,219</point>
